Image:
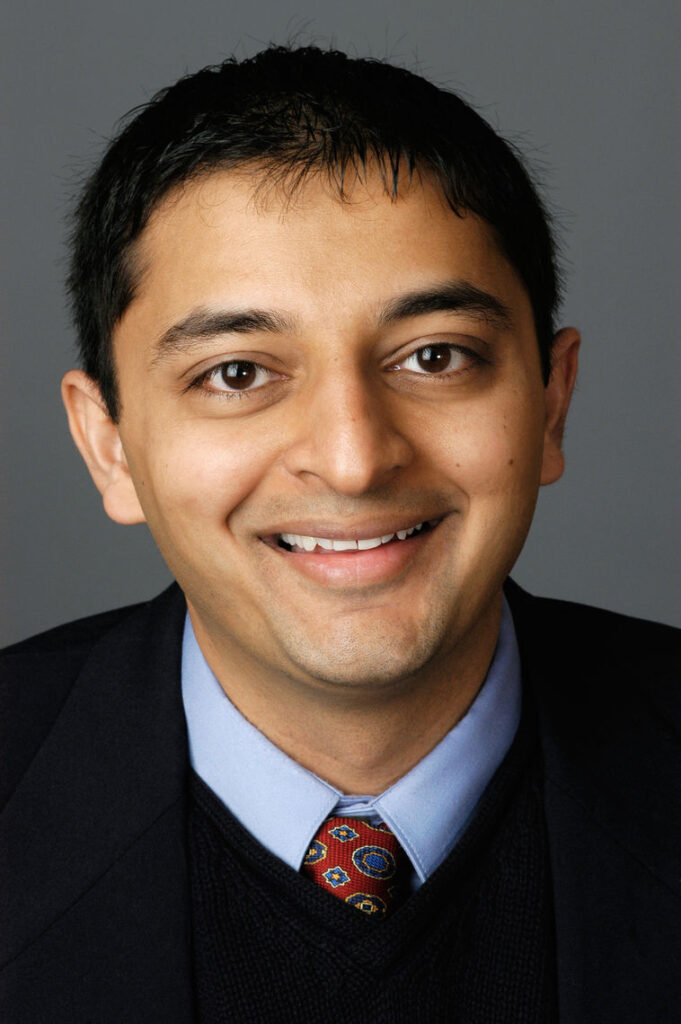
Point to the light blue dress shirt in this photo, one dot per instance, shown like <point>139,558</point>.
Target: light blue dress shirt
<point>283,804</point>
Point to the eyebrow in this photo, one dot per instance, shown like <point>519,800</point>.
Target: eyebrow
<point>449,297</point>
<point>207,323</point>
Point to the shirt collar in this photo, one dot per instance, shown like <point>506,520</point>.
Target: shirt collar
<point>283,804</point>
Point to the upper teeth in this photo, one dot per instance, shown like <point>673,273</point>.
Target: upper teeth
<point>310,543</point>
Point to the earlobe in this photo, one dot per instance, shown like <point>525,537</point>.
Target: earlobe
<point>557,395</point>
<point>97,439</point>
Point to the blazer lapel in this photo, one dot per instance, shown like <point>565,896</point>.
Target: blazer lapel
<point>98,893</point>
<point>613,812</point>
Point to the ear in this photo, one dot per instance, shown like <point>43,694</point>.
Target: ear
<point>557,394</point>
<point>97,439</point>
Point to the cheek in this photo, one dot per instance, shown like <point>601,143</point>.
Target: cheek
<point>494,452</point>
<point>198,475</point>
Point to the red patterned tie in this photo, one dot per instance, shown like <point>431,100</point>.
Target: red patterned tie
<point>362,864</point>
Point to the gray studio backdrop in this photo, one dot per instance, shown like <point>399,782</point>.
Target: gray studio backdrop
<point>588,89</point>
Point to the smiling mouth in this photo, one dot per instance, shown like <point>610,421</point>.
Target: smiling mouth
<point>302,544</point>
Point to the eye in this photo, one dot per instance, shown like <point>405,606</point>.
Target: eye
<point>239,375</point>
<point>441,359</point>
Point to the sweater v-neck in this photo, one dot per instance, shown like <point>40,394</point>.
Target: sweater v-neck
<point>491,894</point>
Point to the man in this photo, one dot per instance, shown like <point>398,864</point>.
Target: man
<point>344,766</point>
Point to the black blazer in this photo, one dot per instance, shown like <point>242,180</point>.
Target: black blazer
<point>95,926</point>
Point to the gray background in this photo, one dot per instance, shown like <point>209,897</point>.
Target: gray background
<point>589,90</point>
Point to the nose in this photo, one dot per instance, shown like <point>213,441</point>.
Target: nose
<point>347,434</point>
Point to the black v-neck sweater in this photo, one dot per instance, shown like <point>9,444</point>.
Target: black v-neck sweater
<point>473,945</point>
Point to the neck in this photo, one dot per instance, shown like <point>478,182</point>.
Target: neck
<point>361,742</point>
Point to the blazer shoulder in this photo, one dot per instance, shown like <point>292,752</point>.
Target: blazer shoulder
<point>596,628</point>
<point>606,624</point>
<point>80,632</point>
<point>36,676</point>
<point>619,658</point>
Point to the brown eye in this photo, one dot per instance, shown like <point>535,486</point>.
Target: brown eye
<point>434,358</point>
<point>239,375</point>
<point>443,360</point>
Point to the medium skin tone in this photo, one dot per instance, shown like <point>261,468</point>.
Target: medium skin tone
<point>339,370</point>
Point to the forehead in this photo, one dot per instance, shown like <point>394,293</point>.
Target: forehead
<point>228,237</point>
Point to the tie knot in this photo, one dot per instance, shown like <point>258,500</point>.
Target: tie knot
<point>362,864</point>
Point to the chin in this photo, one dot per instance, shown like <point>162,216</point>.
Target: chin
<point>371,659</point>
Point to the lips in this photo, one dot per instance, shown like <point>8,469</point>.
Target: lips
<point>386,554</point>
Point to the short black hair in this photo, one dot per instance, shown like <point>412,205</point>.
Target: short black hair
<point>292,112</point>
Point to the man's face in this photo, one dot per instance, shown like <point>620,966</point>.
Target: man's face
<point>302,369</point>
